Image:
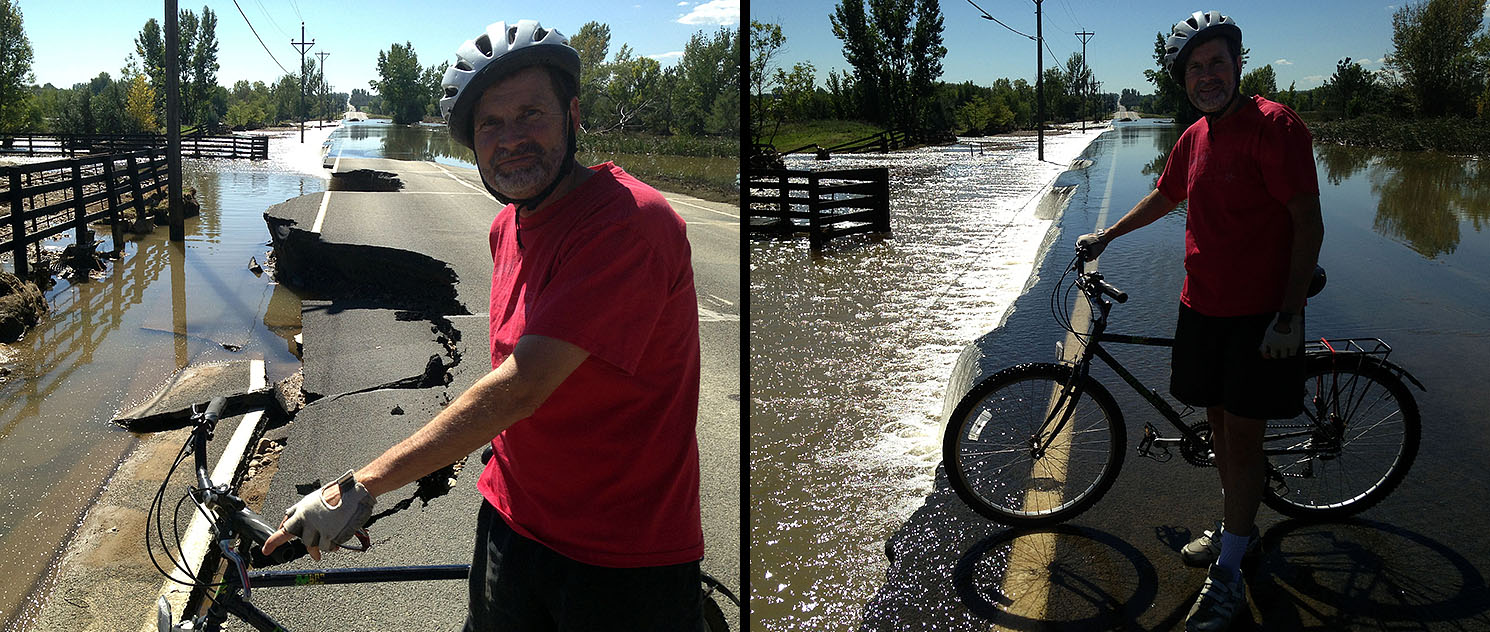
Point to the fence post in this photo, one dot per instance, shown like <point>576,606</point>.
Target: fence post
<point>784,200</point>
<point>815,237</point>
<point>882,200</point>
<point>17,223</point>
<point>113,186</point>
<point>134,185</point>
<point>81,234</point>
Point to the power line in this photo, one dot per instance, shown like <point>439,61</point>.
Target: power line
<point>256,36</point>
<point>272,21</point>
<point>296,7</point>
<point>986,16</point>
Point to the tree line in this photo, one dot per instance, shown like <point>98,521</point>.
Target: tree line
<point>894,50</point>
<point>625,93</point>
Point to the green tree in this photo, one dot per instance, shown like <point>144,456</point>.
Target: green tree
<point>150,49</point>
<point>1350,88</point>
<point>1261,81</point>
<point>1441,54</point>
<point>400,83</point>
<point>766,42</point>
<point>709,70</point>
<point>905,52</point>
<point>861,46</point>
<point>1129,98</point>
<point>202,59</point>
<point>632,90</point>
<point>15,69</point>
<point>592,41</point>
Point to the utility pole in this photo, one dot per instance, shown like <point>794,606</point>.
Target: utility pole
<point>1040,78</point>
<point>325,88</point>
<point>1085,36</point>
<point>302,46</point>
<point>173,123</point>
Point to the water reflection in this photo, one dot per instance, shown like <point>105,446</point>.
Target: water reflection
<point>1424,197</point>
<point>378,139</point>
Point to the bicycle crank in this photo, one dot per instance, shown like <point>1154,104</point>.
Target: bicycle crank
<point>1152,440</point>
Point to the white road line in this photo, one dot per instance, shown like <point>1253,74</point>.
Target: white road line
<point>462,182</point>
<point>726,302</point>
<point>701,208</point>
<point>321,214</point>
<point>337,164</point>
<point>706,315</point>
<point>198,536</point>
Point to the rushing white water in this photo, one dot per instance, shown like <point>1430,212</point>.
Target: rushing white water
<point>850,355</point>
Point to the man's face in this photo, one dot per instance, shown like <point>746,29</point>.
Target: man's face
<point>518,127</point>
<point>1210,76</point>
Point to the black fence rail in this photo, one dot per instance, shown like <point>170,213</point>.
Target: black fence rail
<point>44,199</point>
<point>192,146</point>
<point>823,204</point>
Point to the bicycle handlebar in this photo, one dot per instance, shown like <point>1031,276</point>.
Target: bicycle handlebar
<point>1094,280</point>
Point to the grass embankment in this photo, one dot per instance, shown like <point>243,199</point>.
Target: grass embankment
<point>704,167</point>
<point>822,132</point>
<point>1448,134</point>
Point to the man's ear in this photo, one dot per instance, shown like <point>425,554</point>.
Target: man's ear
<point>574,114</point>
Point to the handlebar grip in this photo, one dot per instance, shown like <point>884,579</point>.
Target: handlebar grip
<point>253,528</point>
<point>1107,288</point>
<point>214,408</point>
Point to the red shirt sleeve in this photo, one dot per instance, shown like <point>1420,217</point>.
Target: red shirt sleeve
<point>1286,156</point>
<point>1174,183</point>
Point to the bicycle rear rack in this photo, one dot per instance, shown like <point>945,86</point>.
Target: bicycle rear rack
<point>1349,346</point>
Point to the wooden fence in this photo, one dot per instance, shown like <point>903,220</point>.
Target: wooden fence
<point>831,203</point>
<point>192,146</point>
<point>45,199</point>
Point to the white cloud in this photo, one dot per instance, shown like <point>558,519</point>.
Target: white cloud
<point>1383,60</point>
<point>721,12</point>
<point>668,57</point>
<point>1318,80</point>
<point>684,3</point>
<point>1282,62</point>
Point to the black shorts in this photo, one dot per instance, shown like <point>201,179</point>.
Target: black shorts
<point>518,584</point>
<point>1217,363</point>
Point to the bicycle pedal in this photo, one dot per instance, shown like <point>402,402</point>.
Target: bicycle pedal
<point>1146,445</point>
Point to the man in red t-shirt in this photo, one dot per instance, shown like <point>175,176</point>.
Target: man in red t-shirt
<point>590,516</point>
<point>1252,238</point>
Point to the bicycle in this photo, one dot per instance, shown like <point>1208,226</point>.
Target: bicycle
<point>239,534</point>
<point>1039,443</point>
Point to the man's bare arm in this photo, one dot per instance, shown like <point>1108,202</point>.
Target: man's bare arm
<point>506,395</point>
<point>1308,235</point>
<point>509,393</point>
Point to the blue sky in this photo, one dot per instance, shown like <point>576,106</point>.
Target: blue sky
<point>1301,39</point>
<point>75,40</point>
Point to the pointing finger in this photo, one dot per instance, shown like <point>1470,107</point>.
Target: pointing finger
<point>278,538</point>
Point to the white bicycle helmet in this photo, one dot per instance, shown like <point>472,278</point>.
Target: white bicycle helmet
<point>502,50</point>
<point>1200,27</point>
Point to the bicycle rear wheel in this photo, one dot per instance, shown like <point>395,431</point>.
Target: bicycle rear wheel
<point>1352,445</point>
<point>990,447</point>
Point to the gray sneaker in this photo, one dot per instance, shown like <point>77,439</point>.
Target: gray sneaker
<point>1221,598</point>
<point>1206,549</point>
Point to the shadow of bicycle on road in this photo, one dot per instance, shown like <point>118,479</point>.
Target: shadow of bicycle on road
<point>952,570</point>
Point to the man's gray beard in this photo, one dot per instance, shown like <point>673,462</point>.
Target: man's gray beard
<point>528,181</point>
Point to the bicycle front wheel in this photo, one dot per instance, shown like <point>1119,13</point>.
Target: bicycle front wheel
<point>1352,445</point>
<point>1029,446</point>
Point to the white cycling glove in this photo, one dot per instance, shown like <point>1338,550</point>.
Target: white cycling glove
<point>1092,244</point>
<point>1283,338</point>
<point>321,525</point>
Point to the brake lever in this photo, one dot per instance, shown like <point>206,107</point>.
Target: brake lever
<point>227,550</point>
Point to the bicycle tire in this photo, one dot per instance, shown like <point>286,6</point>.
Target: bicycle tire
<point>714,620</point>
<point>987,452</point>
<point>1376,429</point>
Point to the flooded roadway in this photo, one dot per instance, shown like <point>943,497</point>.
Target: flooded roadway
<point>109,343</point>
<point>849,356</point>
<point>840,479</point>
